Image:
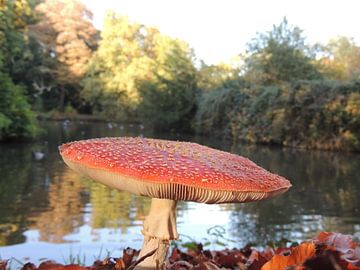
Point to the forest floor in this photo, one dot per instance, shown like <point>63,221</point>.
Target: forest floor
<point>327,251</point>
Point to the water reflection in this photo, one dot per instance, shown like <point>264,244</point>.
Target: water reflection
<point>324,195</point>
<point>113,209</point>
<point>47,200</point>
<point>15,191</point>
<point>63,214</point>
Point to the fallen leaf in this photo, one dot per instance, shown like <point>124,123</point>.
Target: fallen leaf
<point>229,259</point>
<point>353,267</point>
<point>128,256</point>
<point>298,255</point>
<point>50,265</point>
<point>329,260</point>
<point>255,261</point>
<point>74,267</point>
<point>180,265</point>
<point>206,266</point>
<point>341,242</point>
<point>268,253</point>
<point>3,264</point>
<point>28,266</point>
<point>120,264</point>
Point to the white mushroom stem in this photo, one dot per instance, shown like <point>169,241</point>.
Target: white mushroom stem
<point>159,230</point>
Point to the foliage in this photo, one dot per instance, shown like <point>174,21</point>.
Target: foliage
<point>279,55</point>
<point>214,76</point>
<point>66,32</point>
<point>168,99</point>
<point>215,110</point>
<point>149,75</point>
<point>16,117</point>
<point>49,57</point>
<point>68,39</point>
<point>123,56</point>
<point>21,53</point>
<point>310,114</point>
<point>341,59</point>
<point>14,16</point>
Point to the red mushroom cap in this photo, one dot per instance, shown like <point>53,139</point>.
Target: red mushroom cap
<point>172,170</point>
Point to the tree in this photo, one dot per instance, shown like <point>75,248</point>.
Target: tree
<point>17,56</point>
<point>16,116</point>
<point>341,59</point>
<point>139,73</point>
<point>168,98</point>
<point>67,35</point>
<point>211,77</point>
<point>124,55</point>
<point>280,55</point>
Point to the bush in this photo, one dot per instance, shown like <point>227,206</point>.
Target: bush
<point>16,118</point>
<point>167,105</point>
<point>215,107</point>
<point>308,114</point>
<point>168,97</point>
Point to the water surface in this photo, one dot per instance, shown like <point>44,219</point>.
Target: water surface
<point>44,202</point>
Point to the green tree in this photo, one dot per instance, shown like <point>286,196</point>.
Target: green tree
<point>341,59</point>
<point>123,56</point>
<point>17,56</point>
<point>16,117</point>
<point>68,38</point>
<point>168,98</point>
<point>211,77</point>
<point>138,72</point>
<point>280,55</point>
<point>22,55</point>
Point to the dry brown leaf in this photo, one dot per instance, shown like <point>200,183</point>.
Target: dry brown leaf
<point>206,266</point>
<point>255,261</point>
<point>180,265</point>
<point>50,265</point>
<point>3,264</point>
<point>229,259</point>
<point>74,267</point>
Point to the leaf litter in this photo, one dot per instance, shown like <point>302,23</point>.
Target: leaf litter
<point>328,250</point>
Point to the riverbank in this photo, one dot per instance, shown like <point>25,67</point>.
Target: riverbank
<point>58,116</point>
<point>316,114</point>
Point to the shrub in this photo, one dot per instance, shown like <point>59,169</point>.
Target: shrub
<point>308,114</point>
<point>16,118</point>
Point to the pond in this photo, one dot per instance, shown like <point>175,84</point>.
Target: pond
<point>48,211</point>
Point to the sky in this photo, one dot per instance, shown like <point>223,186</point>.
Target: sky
<point>218,30</point>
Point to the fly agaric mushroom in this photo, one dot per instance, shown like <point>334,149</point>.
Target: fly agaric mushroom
<point>168,171</point>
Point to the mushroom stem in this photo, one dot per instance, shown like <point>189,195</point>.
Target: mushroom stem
<point>159,230</point>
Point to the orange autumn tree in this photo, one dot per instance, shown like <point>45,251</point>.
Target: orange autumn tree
<point>66,33</point>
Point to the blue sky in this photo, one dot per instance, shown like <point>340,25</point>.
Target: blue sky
<point>220,29</point>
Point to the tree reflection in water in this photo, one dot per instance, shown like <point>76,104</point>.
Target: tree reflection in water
<point>114,209</point>
<point>47,198</point>
<point>64,211</point>
<point>325,188</point>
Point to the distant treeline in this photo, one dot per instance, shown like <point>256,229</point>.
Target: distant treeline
<point>310,114</point>
<point>280,90</point>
